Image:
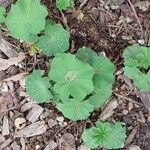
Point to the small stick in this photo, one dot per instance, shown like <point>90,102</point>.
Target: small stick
<point>82,4</point>
<point>136,16</point>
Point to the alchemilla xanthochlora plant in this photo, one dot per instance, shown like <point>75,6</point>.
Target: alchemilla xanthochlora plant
<point>83,82</point>
<point>76,83</point>
<point>137,65</point>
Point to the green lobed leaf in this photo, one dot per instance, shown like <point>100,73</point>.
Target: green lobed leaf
<point>2,12</point>
<point>86,55</point>
<point>100,96</point>
<point>72,77</point>
<point>75,109</point>
<point>55,40</point>
<point>38,87</point>
<point>107,135</point>
<point>26,18</point>
<point>137,63</point>
<point>64,4</point>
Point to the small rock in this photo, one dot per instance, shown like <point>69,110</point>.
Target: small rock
<point>13,70</point>
<point>52,122</point>
<point>15,146</point>
<point>82,147</point>
<point>60,119</point>
<point>127,119</point>
<point>125,112</point>
<point>20,123</point>
<point>134,147</point>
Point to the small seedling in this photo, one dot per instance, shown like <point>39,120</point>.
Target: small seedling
<point>107,135</point>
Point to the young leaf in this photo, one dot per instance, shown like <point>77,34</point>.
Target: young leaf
<point>142,81</point>
<point>108,135</point>
<point>25,18</point>
<point>104,70</point>
<point>75,109</point>
<point>2,12</point>
<point>38,87</point>
<point>137,63</point>
<point>86,55</point>
<point>55,40</point>
<point>64,4</point>
<point>72,77</point>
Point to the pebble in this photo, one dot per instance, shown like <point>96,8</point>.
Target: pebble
<point>127,119</point>
<point>52,122</point>
<point>134,147</point>
<point>60,119</point>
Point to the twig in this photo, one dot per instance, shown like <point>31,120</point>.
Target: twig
<point>82,4</point>
<point>65,21</point>
<point>136,16</point>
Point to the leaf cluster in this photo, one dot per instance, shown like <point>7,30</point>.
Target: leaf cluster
<point>107,135</point>
<point>137,65</point>
<point>82,82</point>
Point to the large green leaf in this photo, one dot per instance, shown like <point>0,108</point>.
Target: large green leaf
<point>64,4</point>
<point>26,18</point>
<point>55,40</point>
<point>38,87</point>
<point>72,77</point>
<point>2,12</point>
<point>75,109</point>
<point>86,55</point>
<point>108,135</point>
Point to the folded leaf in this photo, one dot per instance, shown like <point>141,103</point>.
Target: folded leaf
<point>86,55</point>
<point>55,40</point>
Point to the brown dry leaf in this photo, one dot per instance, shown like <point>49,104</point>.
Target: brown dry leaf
<point>5,99</point>
<point>5,63</point>
<point>145,98</point>
<point>67,142</point>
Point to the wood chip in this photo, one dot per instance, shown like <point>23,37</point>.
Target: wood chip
<point>134,147</point>
<point>145,98</point>
<point>16,77</point>
<point>5,47</point>
<point>108,110</point>
<point>67,142</point>
<point>15,146</point>
<point>6,63</point>
<point>27,106</point>
<point>34,113</point>
<point>131,136</point>
<point>5,144</point>
<point>5,3</point>
<point>51,146</point>
<point>2,138</point>
<point>5,128</point>
<point>23,145</point>
<point>34,129</point>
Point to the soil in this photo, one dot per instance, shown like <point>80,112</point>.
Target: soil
<point>107,27</point>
